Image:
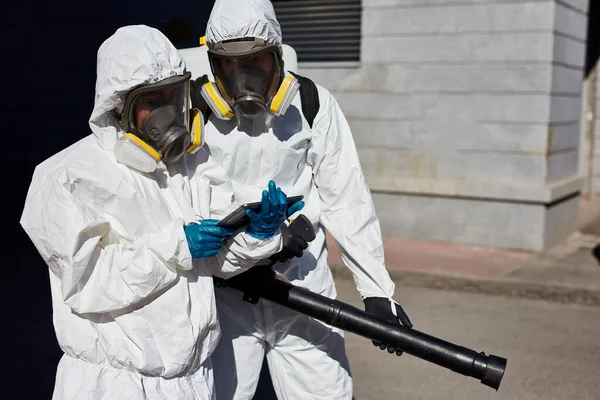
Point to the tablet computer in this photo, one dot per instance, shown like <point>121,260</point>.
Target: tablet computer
<point>238,218</point>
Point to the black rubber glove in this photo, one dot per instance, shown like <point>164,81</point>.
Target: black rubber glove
<point>293,245</point>
<point>388,310</point>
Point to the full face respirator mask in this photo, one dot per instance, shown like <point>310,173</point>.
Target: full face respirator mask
<point>249,80</point>
<point>159,125</point>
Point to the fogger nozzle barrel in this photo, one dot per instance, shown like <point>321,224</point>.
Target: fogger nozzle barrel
<point>488,369</point>
<point>259,282</point>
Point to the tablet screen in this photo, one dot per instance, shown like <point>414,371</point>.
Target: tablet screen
<point>238,218</point>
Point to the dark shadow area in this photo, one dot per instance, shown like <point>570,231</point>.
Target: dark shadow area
<point>49,72</point>
<point>593,35</point>
<point>596,253</point>
<point>264,390</point>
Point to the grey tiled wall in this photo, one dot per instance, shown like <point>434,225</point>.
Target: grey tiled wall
<point>480,91</point>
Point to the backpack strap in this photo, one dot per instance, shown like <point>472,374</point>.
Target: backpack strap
<point>197,99</point>
<point>310,98</point>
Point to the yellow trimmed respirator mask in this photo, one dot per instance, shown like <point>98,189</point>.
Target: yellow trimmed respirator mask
<point>250,80</point>
<point>159,125</point>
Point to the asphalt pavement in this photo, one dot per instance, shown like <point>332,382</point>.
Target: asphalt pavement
<point>553,350</point>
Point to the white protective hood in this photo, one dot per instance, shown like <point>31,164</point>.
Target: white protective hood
<point>149,61</point>
<point>236,19</point>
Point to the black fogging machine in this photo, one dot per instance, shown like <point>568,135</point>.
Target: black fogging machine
<point>261,282</point>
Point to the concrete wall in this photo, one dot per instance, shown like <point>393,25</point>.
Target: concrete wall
<point>466,113</point>
<point>595,181</point>
<point>590,131</point>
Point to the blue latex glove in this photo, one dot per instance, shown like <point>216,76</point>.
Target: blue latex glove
<point>297,206</point>
<point>204,237</point>
<point>264,224</point>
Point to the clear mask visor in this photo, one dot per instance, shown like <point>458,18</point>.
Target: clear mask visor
<point>160,115</point>
<point>247,83</point>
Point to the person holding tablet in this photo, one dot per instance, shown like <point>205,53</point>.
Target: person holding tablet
<point>122,219</point>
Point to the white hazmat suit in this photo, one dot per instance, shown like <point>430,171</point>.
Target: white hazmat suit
<point>306,358</point>
<point>134,314</point>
